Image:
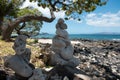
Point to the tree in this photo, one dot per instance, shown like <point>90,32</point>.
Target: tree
<point>31,28</point>
<point>71,8</point>
<point>6,8</point>
<point>7,29</point>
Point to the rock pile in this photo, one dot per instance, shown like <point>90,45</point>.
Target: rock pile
<point>100,59</point>
<point>61,45</point>
<point>19,62</point>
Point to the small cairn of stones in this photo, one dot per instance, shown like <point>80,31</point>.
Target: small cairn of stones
<point>20,62</point>
<point>62,47</point>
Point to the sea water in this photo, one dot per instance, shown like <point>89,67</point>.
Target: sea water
<point>85,36</point>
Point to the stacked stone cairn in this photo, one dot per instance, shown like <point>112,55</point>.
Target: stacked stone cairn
<point>62,47</point>
<point>20,62</point>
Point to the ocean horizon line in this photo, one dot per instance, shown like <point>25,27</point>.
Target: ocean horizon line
<point>84,36</point>
<point>83,33</point>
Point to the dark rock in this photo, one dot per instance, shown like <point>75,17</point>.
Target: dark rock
<point>67,71</point>
<point>18,77</point>
<point>61,71</point>
<point>3,75</point>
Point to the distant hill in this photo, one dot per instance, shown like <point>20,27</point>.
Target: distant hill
<point>44,33</point>
<point>111,33</point>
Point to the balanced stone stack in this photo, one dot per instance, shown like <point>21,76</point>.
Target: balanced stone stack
<point>62,47</point>
<point>20,62</point>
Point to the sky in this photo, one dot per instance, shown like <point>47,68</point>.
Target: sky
<point>105,19</point>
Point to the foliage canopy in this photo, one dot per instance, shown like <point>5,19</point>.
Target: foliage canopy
<point>9,7</point>
<point>71,7</point>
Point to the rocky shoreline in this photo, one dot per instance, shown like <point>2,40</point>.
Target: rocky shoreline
<point>98,59</point>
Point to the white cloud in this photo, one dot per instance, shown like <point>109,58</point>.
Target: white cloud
<point>60,14</point>
<point>104,20</point>
<point>27,3</point>
<point>45,12</point>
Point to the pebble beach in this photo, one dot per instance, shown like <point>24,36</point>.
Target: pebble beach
<point>99,58</point>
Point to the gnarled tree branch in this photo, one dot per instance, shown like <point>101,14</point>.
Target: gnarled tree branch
<point>13,24</point>
<point>33,17</point>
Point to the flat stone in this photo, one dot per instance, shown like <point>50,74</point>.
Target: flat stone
<point>17,64</point>
<point>37,75</point>
<point>67,53</point>
<point>62,33</point>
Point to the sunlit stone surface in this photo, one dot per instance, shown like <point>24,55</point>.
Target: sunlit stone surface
<point>61,45</point>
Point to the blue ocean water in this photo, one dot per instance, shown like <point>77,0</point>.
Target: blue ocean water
<point>86,36</point>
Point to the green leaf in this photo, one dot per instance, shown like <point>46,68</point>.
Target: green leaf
<point>30,0</point>
<point>43,5</point>
<point>39,4</point>
<point>68,13</point>
<point>66,18</point>
<point>79,19</point>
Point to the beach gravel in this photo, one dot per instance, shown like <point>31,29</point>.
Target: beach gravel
<point>98,59</point>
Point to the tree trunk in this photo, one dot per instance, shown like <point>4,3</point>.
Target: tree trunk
<point>1,20</point>
<point>6,33</point>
